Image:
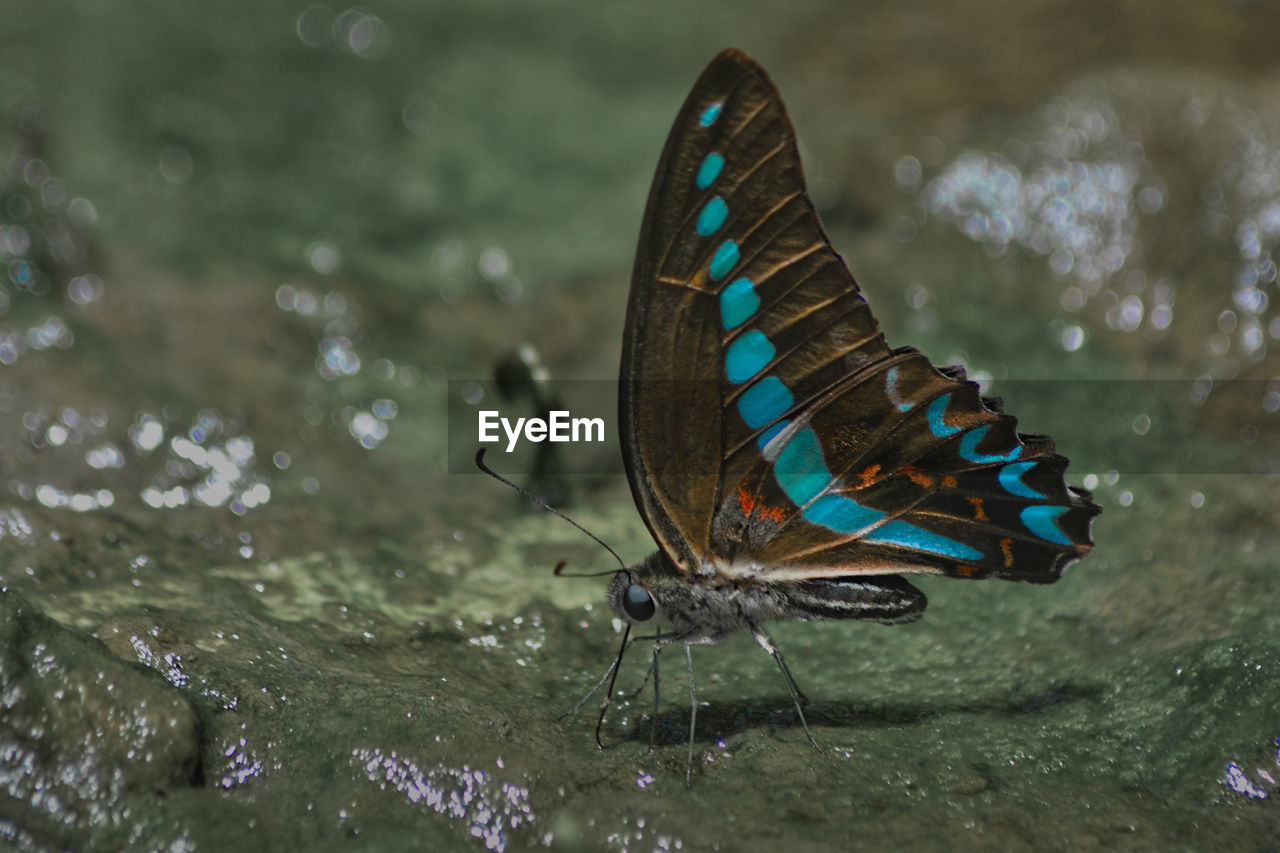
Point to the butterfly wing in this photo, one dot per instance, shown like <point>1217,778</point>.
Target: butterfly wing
<point>728,193</point>
<point>914,472</point>
<point>768,428</point>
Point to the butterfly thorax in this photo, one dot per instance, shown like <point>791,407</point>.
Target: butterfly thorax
<point>697,609</point>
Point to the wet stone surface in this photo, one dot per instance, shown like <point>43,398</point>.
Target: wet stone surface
<point>86,737</point>
<point>246,604</point>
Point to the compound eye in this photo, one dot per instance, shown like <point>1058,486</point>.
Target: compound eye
<point>638,603</point>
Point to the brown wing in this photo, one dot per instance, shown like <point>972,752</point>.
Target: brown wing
<point>767,427</point>
<point>728,225</point>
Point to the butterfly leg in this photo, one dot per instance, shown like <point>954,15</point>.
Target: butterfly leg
<point>648,673</point>
<point>796,696</point>
<point>660,641</point>
<point>653,670</point>
<point>593,691</point>
<point>610,675</point>
<point>653,723</point>
<point>689,640</point>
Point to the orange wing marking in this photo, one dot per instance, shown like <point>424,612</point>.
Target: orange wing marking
<point>979,514</point>
<point>921,479</point>
<point>1006,548</point>
<point>749,505</point>
<point>775,514</point>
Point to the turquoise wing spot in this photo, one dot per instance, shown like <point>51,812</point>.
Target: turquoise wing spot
<point>710,169</point>
<point>937,425</point>
<point>767,436</point>
<point>801,469</point>
<point>1042,521</point>
<point>713,215</point>
<point>891,390</point>
<point>725,259</point>
<point>969,448</point>
<point>841,514</point>
<point>919,539</point>
<point>765,402</point>
<point>710,114</point>
<point>747,356</point>
<point>738,301</point>
<point>1010,478</point>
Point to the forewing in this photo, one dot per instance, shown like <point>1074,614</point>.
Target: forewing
<point>733,272</point>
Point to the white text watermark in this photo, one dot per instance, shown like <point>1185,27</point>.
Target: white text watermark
<point>557,426</point>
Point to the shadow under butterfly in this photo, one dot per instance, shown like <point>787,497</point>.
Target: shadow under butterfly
<point>789,464</point>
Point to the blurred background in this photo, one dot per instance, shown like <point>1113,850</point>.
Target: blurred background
<point>256,255</point>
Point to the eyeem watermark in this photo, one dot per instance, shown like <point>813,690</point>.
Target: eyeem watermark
<point>1108,428</point>
<point>557,426</point>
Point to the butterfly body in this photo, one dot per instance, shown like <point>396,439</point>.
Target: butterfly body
<point>702,613</point>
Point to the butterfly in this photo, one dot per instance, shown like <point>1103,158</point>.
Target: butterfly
<point>789,463</point>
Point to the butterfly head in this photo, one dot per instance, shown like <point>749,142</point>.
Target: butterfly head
<point>630,597</point>
<point>648,590</point>
<point>658,589</point>
<point>637,602</point>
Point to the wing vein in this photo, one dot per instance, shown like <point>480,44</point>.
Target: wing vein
<point>728,139</point>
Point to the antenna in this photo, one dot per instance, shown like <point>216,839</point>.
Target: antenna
<point>540,502</point>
